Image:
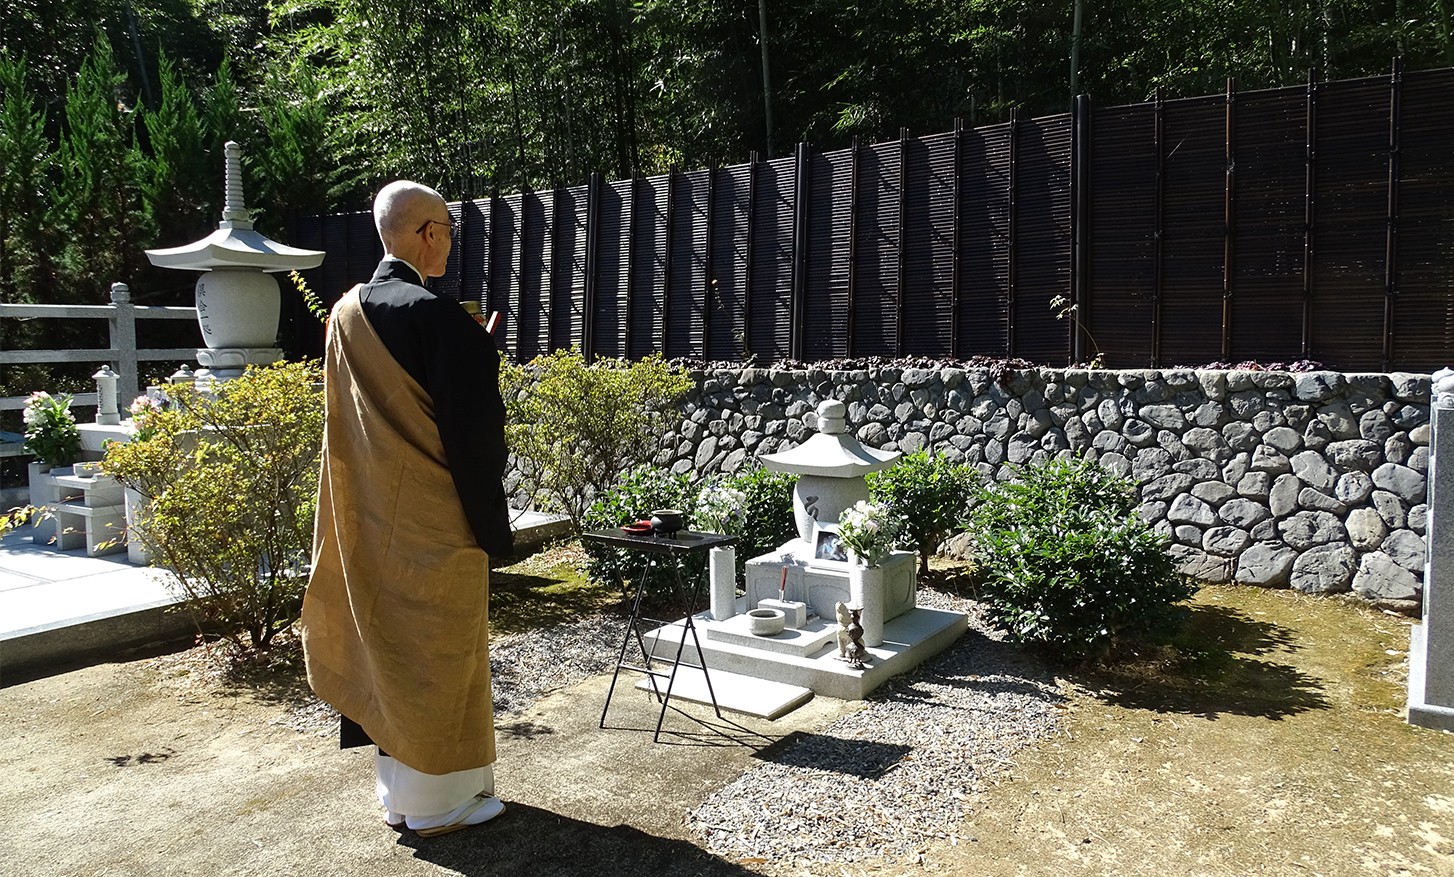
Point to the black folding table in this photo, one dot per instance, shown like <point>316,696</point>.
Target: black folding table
<point>656,548</point>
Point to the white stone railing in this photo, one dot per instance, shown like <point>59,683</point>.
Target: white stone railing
<point>122,354</point>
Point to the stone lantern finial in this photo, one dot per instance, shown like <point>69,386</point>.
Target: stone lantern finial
<point>234,208</point>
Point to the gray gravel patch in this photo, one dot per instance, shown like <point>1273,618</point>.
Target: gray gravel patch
<point>888,780</point>
<point>525,667</point>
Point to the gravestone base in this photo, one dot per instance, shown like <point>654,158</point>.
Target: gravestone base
<point>808,657</point>
<point>823,584</point>
<point>1421,712</point>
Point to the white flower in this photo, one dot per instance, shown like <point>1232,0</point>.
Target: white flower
<point>869,529</point>
<point>720,509</point>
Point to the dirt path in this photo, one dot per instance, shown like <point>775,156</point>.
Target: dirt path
<point>1284,754</point>
<point>1276,747</point>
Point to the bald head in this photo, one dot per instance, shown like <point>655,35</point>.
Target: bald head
<point>413,222</point>
<point>401,206</point>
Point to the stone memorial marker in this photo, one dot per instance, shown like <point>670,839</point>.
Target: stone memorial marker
<point>1431,653</point>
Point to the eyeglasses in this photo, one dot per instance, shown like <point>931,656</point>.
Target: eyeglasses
<point>452,226</point>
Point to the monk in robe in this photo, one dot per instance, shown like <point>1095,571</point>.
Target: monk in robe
<point>411,507</point>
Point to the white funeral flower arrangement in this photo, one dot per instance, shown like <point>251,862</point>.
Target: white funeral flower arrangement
<point>869,530</point>
<point>720,510</point>
<point>50,429</point>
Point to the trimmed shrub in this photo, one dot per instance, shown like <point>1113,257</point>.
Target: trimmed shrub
<point>931,494</point>
<point>232,483</point>
<point>633,498</point>
<point>574,427</point>
<point>1067,562</point>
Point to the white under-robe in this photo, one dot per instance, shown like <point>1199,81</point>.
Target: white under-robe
<point>408,792</point>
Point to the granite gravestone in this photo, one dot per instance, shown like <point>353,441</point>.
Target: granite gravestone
<point>1431,653</point>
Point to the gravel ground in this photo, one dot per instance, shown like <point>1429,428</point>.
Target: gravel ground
<point>525,667</point>
<point>885,781</point>
<point>881,783</point>
<point>878,784</point>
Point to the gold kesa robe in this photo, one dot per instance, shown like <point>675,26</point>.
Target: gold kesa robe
<point>396,615</point>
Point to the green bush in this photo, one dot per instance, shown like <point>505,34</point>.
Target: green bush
<point>574,427</point>
<point>232,482</point>
<point>633,498</point>
<point>50,429</point>
<point>766,520</point>
<point>1067,562</point>
<point>931,494</point>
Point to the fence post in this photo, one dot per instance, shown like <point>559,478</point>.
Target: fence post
<point>1390,245</point>
<point>1310,194</point>
<point>955,281</point>
<point>903,248</point>
<point>1080,132</point>
<point>853,209</point>
<point>122,326</point>
<point>1012,217</point>
<point>1159,280</point>
<point>588,315</point>
<point>1229,217</point>
<point>801,196</point>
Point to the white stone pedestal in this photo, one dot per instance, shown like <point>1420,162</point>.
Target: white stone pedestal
<point>823,584</point>
<point>89,513</point>
<point>722,571</point>
<point>866,592</point>
<point>42,494</point>
<point>135,549</point>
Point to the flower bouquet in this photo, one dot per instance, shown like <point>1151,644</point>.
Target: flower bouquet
<point>720,510</point>
<point>869,530</point>
<point>144,411</point>
<point>50,429</point>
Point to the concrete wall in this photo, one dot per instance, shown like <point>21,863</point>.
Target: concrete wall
<point>1313,481</point>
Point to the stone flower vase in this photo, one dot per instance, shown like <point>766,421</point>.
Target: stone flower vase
<point>135,549</point>
<point>722,569</point>
<point>866,591</point>
<point>42,493</point>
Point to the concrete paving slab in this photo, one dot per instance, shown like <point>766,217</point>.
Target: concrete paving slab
<point>59,605</point>
<point>10,580</point>
<point>48,605</point>
<point>740,694</point>
<point>19,555</point>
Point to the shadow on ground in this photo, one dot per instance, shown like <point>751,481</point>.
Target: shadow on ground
<point>864,759</point>
<point>1222,661</point>
<point>541,842</point>
<point>521,602</point>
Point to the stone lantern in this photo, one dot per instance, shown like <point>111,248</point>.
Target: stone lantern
<point>237,302</point>
<point>830,466</point>
<point>813,569</point>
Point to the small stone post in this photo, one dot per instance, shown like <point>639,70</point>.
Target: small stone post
<point>1431,653</point>
<point>106,413</point>
<point>123,341</point>
<point>724,582</point>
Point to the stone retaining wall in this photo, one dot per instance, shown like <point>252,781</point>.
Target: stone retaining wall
<point>1313,481</point>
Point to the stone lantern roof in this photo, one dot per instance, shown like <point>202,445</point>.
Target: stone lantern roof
<point>831,452</point>
<point>235,244</point>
